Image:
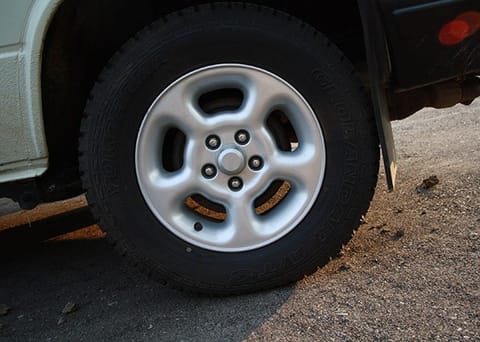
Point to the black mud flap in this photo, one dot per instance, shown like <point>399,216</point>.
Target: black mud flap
<point>385,134</point>
<point>379,71</point>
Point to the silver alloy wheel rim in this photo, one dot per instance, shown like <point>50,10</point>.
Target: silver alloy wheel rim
<point>243,229</point>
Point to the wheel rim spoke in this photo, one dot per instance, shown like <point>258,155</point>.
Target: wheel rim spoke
<point>167,192</point>
<point>175,107</point>
<point>298,167</point>
<point>263,95</point>
<point>244,222</point>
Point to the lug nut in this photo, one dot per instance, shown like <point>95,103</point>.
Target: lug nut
<point>235,183</point>
<point>209,171</point>
<point>242,137</point>
<point>255,163</point>
<point>213,142</point>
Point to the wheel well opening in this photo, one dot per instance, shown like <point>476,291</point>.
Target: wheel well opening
<point>84,35</point>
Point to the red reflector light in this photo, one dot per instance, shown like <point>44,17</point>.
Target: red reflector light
<point>453,32</point>
<point>461,27</point>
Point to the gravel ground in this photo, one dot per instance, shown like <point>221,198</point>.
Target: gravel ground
<point>410,273</point>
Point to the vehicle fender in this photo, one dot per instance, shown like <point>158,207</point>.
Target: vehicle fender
<point>21,52</point>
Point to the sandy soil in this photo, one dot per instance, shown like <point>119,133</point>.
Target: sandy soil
<point>412,271</point>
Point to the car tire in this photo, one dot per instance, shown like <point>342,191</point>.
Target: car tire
<point>228,148</point>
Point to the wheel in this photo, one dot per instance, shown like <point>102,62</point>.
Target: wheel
<point>228,149</point>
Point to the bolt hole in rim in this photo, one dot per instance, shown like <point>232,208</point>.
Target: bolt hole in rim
<point>249,186</point>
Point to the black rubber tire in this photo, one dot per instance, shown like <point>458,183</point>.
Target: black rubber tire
<point>228,33</point>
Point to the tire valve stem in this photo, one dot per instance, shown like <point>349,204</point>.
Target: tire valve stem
<point>198,226</point>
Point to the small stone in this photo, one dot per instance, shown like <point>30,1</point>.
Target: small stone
<point>342,314</point>
<point>60,321</point>
<point>398,234</point>
<point>345,267</point>
<point>427,183</point>
<point>20,316</point>
<point>430,182</point>
<point>380,226</point>
<point>4,309</point>
<point>397,210</point>
<point>363,220</point>
<point>474,236</point>
<point>69,308</point>
<point>385,231</point>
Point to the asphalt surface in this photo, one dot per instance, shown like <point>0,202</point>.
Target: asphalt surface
<point>412,271</point>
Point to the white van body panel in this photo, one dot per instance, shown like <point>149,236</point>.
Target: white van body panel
<point>23,148</point>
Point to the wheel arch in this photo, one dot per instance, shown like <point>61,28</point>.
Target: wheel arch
<point>82,36</point>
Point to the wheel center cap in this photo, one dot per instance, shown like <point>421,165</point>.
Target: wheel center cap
<point>231,161</point>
